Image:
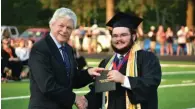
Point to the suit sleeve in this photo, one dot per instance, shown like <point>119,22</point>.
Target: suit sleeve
<point>81,77</point>
<point>146,84</point>
<point>41,72</point>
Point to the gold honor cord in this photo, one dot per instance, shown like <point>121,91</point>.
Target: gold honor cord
<point>131,70</point>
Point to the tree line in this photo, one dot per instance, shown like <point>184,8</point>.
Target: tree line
<point>155,12</point>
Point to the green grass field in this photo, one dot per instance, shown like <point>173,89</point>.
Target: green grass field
<point>171,93</point>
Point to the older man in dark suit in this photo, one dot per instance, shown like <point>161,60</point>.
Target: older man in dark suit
<point>53,67</point>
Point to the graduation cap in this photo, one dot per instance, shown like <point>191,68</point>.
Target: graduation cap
<point>124,20</point>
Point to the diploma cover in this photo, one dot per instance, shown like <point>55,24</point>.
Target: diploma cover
<point>102,84</point>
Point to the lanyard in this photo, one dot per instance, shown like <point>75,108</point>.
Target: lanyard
<point>118,67</point>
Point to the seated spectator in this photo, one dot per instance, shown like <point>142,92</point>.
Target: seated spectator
<point>13,43</point>
<point>25,71</point>
<point>23,52</point>
<point>10,60</point>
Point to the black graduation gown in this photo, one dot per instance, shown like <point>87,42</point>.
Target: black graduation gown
<point>143,88</point>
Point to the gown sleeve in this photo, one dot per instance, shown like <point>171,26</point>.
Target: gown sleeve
<point>95,99</point>
<point>146,84</point>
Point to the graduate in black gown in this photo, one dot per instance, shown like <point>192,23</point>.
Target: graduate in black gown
<point>137,76</point>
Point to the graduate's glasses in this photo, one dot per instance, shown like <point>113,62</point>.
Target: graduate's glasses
<point>114,36</point>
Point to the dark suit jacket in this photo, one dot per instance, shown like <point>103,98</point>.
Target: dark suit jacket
<point>50,86</point>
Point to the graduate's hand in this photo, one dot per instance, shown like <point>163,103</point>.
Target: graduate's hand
<point>95,71</point>
<point>115,76</point>
<point>81,102</point>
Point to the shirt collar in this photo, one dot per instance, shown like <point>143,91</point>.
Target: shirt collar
<point>118,55</point>
<point>54,39</point>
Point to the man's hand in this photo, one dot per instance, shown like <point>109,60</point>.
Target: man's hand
<point>116,76</point>
<point>95,71</point>
<point>13,59</point>
<point>81,102</point>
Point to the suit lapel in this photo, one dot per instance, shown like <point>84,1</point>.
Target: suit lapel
<point>54,50</point>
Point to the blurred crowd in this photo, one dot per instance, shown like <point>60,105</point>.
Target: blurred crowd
<point>184,38</point>
<point>15,52</point>
<point>91,39</point>
<point>14,57</point>
<point>86,39</point>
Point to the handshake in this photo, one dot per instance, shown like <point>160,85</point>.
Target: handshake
<point>81,102</point>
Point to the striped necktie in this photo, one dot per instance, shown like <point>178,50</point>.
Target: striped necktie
<point>65,59</point>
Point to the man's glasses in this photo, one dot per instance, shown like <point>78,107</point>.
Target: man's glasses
<point>120,35</point>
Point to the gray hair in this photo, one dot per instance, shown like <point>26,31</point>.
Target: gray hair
<point>64,12</point>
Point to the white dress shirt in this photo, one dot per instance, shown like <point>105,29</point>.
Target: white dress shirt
<point>57,44</point>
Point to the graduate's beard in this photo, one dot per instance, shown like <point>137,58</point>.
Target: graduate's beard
<point>124,49</point>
